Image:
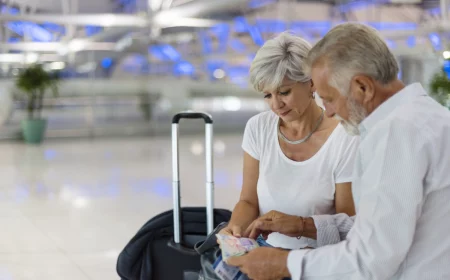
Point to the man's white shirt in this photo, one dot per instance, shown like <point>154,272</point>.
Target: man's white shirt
<point>402,193</point>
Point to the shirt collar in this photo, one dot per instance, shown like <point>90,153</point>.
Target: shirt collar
<point>405,95</point>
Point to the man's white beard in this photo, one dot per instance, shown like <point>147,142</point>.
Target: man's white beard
<point>356,114</point>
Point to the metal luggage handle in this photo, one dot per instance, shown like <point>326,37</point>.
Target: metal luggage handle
<point>176,171</point>
<point>192,115</point>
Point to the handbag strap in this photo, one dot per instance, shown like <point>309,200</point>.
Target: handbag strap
<point>210,241</point>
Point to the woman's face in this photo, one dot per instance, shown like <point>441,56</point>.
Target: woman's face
<point>291,99</point>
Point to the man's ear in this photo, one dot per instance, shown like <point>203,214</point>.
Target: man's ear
<point>363,89</point>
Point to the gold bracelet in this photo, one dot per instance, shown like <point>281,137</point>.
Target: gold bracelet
<point>303,228</point>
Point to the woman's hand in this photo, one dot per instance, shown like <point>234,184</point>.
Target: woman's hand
<point>275,221</point>
<point>232,230</point>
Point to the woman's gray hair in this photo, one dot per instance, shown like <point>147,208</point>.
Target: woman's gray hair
<point>279,58</point>
<point>350,49</point>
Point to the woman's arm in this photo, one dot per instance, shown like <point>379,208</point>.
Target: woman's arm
<point>247,208</point>
<point>331,227</point>
<point>343,199</point>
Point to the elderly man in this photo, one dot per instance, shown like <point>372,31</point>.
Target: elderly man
<point>402,174</point>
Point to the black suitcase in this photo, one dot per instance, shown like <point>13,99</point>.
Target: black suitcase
<point>163,249</point>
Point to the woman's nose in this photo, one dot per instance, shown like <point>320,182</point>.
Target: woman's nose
<point>277,103</point>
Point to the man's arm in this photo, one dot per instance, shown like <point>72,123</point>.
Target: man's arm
<point>332,229</point>
<point>326,229</point>
<point>390,205</point>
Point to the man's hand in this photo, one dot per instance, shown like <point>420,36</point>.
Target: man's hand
<point>275,221</point>
<point>263,263</point>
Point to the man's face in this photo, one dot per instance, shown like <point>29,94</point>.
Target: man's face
<point>346,109</point>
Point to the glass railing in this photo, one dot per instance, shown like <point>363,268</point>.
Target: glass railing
<point>131,115</point>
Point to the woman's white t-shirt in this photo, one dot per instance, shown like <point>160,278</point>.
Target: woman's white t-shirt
<point>303,188</point>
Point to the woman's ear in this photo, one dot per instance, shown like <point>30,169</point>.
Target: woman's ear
<point>313,88</point>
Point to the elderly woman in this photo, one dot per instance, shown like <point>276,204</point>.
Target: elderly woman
<point>296,160</point>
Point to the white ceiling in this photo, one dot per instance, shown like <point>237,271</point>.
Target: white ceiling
<point>55,6</point>
<point>285,10</point>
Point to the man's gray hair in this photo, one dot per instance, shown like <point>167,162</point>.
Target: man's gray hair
<point>350,49</point>
<point>281,57</point>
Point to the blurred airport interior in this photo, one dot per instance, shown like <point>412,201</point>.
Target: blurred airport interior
<point>126,67</point>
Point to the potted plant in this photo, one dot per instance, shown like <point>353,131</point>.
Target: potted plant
<point>34,82</point>
<point>440,88</point>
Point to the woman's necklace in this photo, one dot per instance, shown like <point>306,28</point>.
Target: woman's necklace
<point>303,139</point>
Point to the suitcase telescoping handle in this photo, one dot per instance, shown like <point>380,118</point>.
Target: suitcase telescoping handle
<point>176,171</point>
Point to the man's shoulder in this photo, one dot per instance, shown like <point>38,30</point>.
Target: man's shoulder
<point>424,117</point>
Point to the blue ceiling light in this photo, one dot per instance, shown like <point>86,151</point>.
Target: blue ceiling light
<point>212,65</point>
<point>183,68</point>
<point>222,32</point>
<point>359,5</point>
<point>220,28</point>
<point>411,41</point>
<point>435,11</point>
<point>313,24</point>
<point>254,4</point>
<point>393,25</point>
<point>299,29</point>
<point>91,30</point>
<point>240,70</point>
<point>106,62</point>
<point>446,66</point>
<point>237,45</point>
<point>271,25</point>
<point>155,51</point>
<point>391,44</point>
<point>435,40</point>
<point>126,2</point>
<point>238,75</point>
<point>241,25</point>
<point>256,35</point>
<point>14,40</point>
<point>127,5</point>
<point>53,27</point>
<point>10,10</point>
<point>164,52</point>
<point>206,42</point>
<point>352,6</point>
<point>36,32</point>
<point>170,52</point>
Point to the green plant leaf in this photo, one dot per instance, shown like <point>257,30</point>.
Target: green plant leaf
<point>33,82</point>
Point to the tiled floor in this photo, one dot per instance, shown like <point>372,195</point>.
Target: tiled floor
<point>67,208</point>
